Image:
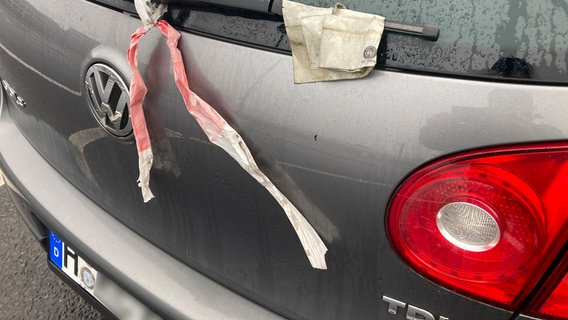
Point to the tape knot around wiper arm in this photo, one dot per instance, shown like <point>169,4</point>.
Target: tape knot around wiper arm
<point>218,131</point>
<point>149,12</point>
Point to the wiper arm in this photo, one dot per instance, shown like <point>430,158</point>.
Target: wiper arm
<point>425,31</point>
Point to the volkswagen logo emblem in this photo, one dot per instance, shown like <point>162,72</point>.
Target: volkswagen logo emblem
<point>108,99</point>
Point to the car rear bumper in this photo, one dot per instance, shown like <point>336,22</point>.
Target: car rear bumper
<point>167,286</point>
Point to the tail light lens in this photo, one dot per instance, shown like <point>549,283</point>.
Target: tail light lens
<point>486,224</point>
<point>551,300</point>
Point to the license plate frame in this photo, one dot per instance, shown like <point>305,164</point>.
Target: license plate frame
<point>72,264</point>
<point>118,302</point>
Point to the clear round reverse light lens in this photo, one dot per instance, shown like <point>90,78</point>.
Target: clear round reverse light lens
<point>468,226</point>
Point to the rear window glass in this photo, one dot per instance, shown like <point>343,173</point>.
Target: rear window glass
<point>520,40</point>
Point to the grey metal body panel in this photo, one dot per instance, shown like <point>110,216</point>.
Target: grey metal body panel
<point>160,281</point>
<point>337,150</point>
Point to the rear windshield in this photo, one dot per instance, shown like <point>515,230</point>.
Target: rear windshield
<point>523,40</point>
<point>506,40</point>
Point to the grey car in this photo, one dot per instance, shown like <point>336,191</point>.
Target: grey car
<point>437,183</point>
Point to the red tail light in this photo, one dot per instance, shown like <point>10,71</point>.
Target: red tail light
<point>486,224</point>
<point>551,300</point>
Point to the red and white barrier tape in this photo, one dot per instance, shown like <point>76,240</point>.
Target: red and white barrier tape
<point>215,127</point>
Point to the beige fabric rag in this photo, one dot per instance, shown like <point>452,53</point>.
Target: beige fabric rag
<point>331,43</point>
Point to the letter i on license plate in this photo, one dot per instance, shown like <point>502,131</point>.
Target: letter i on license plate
<point>66,259</point>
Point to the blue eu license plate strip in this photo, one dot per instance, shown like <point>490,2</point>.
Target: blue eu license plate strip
<point>55,250</point>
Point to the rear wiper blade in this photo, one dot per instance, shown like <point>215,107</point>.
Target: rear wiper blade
<point>425,31</point>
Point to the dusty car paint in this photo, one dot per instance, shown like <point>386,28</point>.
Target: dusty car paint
<point>337,150</point>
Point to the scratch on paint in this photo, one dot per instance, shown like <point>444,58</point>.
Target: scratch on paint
<point>22,62</point>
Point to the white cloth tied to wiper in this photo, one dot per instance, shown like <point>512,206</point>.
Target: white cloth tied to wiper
<point>331,43</point>
<point>215,127</point>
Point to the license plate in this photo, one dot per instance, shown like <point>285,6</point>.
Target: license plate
<point>115,299</point>
<point>66,259</point>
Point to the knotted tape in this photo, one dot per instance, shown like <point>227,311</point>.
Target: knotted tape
<point>218,131</point>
